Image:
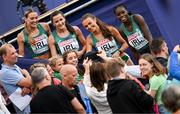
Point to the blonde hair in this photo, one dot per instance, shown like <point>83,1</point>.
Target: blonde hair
<point>53,60</point>
<point>113,67</point>
<point>31,40</point>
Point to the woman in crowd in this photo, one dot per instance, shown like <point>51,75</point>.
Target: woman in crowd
<point>104,37</point>
<point>135,30</point>
<point>95,82</point>
<point>34,36</point>
<point>65,37</point>
<point>155,72</point>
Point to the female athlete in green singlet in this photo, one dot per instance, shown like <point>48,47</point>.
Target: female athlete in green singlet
<point>65,37</point>
<point>135,31</point>
<point>34,37</point>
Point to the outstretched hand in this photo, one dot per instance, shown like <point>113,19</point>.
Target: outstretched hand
<point>87,63</point>
<point>102,54</point>
<point>176,48</point>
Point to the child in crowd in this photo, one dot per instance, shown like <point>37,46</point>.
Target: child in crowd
<point>56,64</point>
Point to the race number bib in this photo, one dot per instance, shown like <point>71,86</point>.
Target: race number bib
<point>41,44</point>
<point>70,44</point>
<point>137,40</point>
<point>108,46</point>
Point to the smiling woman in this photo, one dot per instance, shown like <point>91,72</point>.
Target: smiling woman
<point>134,29</point>
<point>65,37</point>
<point>104,37</point>
<point>155,72</point>
<point>34,36</point>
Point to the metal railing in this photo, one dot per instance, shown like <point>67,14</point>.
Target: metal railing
<point>40,17</point>
<point>66,14</point>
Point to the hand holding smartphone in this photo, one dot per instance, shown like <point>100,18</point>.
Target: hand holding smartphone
<point>93,56</point>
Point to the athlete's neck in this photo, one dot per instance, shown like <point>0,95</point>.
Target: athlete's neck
<point>62,30</point>
<point>31,29</point>
<point>128,22</point>
<point>97,32</point>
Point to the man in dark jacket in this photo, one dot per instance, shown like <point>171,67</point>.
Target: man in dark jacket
<point>125,95</point>
<point>51,98</point>
<point>69,75</point>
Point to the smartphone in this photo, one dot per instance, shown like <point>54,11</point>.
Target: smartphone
<point>93,56</point>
